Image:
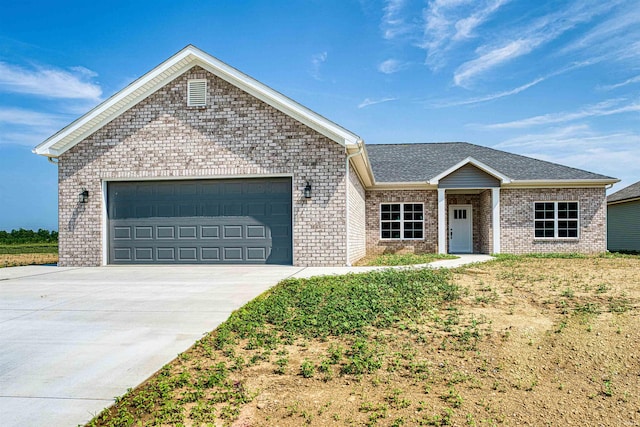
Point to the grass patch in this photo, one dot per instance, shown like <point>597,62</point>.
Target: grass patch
<point>29,248</point>
<point>13,255</point>
<point>404,259</point>
<point>414,347</point>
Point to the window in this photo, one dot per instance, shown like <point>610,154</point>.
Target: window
<point>197,93</point>
<point>556,220</point>
<point>404,221</point>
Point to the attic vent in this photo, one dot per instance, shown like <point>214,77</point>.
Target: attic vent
<point>197,93</point>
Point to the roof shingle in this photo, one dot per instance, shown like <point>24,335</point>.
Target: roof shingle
<point>421,162</point>
<point>630,192</point>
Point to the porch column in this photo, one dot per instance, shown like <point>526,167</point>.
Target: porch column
<point>495,200</point>
<point>442,224</point>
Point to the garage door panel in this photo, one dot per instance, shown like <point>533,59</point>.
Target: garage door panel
<point>165,232</point>
<point>187,232</point>
<point>208,221</point>
<point>144,254</point>
<point>122,233</point>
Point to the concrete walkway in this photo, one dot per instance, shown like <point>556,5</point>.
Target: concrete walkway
<point>72,339</point>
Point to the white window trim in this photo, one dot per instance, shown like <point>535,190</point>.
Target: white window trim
<point>402,221</point>
<point>555,220</point>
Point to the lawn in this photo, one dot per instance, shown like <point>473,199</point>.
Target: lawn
<point>403,259</point>
<point>12,255</point>
<point>516,341</point>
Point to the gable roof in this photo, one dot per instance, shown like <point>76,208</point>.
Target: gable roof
<point>626,194</point>
<point>169,70</point>
<point>429,162</point>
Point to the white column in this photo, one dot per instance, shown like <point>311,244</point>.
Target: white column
<point>495,199</point>
<point>442,224</point>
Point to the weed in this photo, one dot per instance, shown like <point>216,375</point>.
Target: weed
<point>307,369</point>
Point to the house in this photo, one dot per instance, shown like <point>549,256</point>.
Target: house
<point>623,219</point>
<point>196,162</point>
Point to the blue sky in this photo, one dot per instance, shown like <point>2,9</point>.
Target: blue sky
<point>555,80</point>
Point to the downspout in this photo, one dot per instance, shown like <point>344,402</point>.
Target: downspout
<point>51,160</point>
<point>349,156</point>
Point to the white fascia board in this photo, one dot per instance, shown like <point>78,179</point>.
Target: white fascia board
<point>380,186</point>
<point>470,160</point>
<point>169,70</point>
<point>566,183</point>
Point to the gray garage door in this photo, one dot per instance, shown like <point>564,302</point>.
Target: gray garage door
<point>200,221</point>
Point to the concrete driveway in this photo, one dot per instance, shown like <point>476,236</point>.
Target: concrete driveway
<point>71,339</point>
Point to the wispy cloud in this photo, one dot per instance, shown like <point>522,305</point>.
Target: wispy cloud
<point>26,127</point>
<point>604,108</point>
<point>316,62</point>
<point>447,22</point>
<point>393,22</point>
<point>368,101</point>
<point>391,66</point>
<point>524,40</point>
<point>632,80</point>
<point>49,82</point>
<point>490,97</point>
<point>465,27</point>
<point>19,116</point>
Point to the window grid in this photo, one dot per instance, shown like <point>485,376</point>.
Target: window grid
<point>556,220</point>
<point>402,221</point>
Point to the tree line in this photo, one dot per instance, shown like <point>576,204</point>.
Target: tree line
<point>28,236</point>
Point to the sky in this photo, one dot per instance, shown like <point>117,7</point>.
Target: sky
<point>555,80</point>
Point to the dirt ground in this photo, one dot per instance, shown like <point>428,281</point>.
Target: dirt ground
<point>538,342</point>
<point>12,260</point>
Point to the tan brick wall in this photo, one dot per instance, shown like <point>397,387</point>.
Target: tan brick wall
<point>486,225</point>
<point>430,200</point>
<point>235,135</point>
<point>357,218</point>
<point>517,220</point>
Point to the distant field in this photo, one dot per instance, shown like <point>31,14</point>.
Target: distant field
<point>28,254</point>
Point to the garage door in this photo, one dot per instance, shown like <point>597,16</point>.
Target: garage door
<point>200,221</point>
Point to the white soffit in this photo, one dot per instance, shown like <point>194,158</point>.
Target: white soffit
<point>169,70</point>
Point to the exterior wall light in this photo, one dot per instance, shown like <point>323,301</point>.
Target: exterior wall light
<point>307,191</point>
<point>83,196</point>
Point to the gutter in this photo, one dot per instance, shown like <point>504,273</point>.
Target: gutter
<point>360,144</point>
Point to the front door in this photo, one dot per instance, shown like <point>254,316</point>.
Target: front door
<point>460,229</point>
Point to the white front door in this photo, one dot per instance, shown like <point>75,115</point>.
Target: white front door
<point>460,229</point>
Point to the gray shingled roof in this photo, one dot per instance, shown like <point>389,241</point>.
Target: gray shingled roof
<point>630,192</point>
<point>422,162</point>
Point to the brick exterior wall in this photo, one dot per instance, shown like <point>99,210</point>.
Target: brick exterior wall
<point>486,224</point>
<point>357,219</point>
<point>517,220</point>
<point>430,200</point>
<point>235,135</point>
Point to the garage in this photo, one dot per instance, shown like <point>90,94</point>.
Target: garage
<point>230,221</point>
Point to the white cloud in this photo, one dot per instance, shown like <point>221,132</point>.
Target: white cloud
<point>391,66</point>
<point>448,22</point>
<point>632,80</point>
<point>19,116</point>
<point>49,82</point>
<point>604,108</point>
<point>490,97</point>
<point>316,62</point>
<point>367,102</point>
<point>527,37</point>
<point>393,23</point>
<point>466,26</point>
